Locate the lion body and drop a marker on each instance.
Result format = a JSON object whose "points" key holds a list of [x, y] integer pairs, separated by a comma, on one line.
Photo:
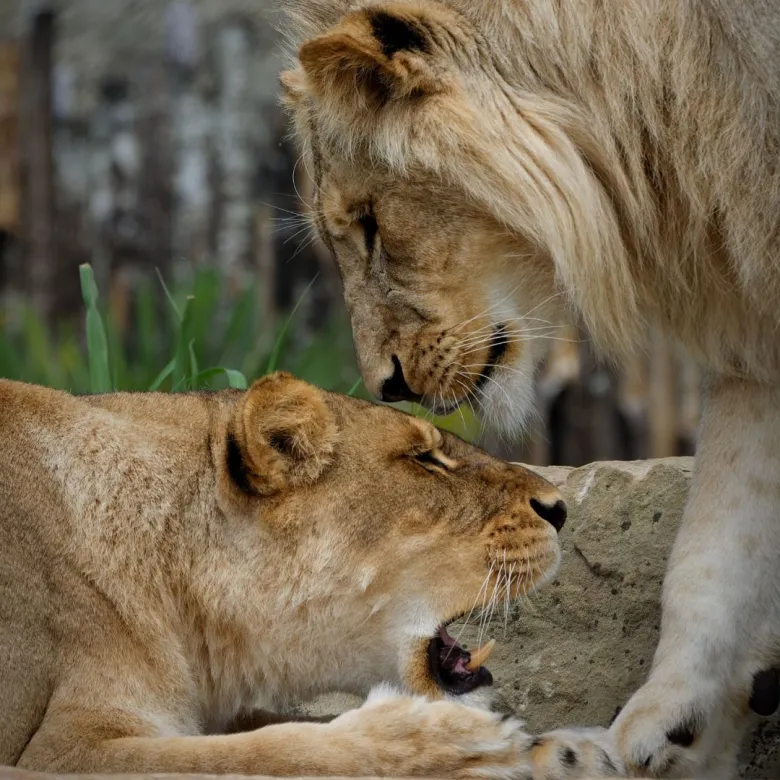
{"points": [[485, 171]]}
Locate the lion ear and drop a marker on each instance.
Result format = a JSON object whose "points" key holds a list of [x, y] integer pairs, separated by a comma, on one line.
{"points": [[371, 58], [282, 435], [293, 83]]}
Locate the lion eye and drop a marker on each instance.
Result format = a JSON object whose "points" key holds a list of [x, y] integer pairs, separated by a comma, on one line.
{"points": [[370, 229]]}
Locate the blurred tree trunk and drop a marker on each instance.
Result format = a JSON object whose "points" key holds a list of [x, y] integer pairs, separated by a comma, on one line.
{"points": [[9, 137], [235, 146], [38, 173], [192, 127], [10, 194]]}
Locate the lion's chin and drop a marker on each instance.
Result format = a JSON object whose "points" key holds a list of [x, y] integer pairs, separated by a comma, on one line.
{"points": [[506, 403]]}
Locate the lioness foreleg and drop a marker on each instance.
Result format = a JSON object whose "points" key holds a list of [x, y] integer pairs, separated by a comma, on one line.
{"points": [[391, 735]]}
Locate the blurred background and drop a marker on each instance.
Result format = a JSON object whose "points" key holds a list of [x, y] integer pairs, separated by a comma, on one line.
{"points": [[144, 138]]}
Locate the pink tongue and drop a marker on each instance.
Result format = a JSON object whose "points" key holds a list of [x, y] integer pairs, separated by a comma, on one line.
{"points": [[446, 638], [461, 657]]}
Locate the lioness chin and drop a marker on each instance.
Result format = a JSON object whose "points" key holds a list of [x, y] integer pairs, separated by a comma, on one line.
{"points": [[486, 170], [172, 565]]}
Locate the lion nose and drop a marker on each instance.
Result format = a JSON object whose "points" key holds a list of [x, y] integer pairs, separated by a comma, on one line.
{"points": [[395, 388], [553, 512]]}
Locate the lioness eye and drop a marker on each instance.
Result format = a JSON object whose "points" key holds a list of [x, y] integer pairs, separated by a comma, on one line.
{"points": [[435, 460], [370, 229]]}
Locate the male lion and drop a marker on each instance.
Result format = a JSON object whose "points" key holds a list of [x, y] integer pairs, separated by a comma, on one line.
{"points": [[171, 563], [483, 170]]}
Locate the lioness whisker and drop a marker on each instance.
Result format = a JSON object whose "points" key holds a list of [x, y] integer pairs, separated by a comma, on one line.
{"points": [[523, 340], [467, 396], [304, 244], [508, 599], [482, 588], [489, 608]]}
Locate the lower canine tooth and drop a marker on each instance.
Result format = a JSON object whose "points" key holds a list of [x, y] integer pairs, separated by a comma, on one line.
{"points": [[479, 656]]}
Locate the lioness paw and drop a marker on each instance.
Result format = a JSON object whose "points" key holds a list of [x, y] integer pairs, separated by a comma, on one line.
{"points": [[400, 735], [575, 754]]}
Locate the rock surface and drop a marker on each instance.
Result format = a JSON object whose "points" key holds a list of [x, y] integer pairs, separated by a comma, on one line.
{"points": [[579, 648]]}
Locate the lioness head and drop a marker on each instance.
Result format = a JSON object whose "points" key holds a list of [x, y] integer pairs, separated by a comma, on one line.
{"points": [[382, 530], [458, 191]]}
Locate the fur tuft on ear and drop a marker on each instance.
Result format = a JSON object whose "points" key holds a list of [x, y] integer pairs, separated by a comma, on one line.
{"points": [[282, 435], [293, 87], [372, 57]]}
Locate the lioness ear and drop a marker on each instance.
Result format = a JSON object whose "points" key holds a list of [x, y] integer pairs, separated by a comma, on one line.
{"points": [[373, 56], [282, 435]]}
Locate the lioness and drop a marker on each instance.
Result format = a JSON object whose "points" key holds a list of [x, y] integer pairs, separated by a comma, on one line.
{"points": [[171, 563], [484, 170]]}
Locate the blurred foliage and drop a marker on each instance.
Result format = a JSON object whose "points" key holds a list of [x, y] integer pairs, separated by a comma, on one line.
{"points": [[200, 338]]}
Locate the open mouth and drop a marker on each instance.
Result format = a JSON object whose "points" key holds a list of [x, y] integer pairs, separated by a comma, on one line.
{"points": [[455, 669]]}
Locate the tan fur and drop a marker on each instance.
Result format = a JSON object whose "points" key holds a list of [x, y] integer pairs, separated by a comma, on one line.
{"points": [[628, 151], [486, 171], [170, 563]]}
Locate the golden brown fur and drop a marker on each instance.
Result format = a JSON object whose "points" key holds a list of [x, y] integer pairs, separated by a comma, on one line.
{"points": [[486, 170], [171, 563], [629, 149]]}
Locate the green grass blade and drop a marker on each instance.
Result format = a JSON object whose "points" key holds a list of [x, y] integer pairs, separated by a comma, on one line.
{"points": [[235, 379], [168, 295], [97, 343], [353, 389], [193, 364], [148, 332], [240, 324], [39, 363], [207, 289], [182, 365], [163, 375], [276, 351]]}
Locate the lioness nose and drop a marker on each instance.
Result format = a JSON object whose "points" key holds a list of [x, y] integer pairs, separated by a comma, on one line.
{"points": [[554, 513], [395, 388]]}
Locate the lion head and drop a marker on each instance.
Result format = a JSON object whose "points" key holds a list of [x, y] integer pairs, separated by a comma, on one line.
{"points": [[382, 530], [462, 190]]}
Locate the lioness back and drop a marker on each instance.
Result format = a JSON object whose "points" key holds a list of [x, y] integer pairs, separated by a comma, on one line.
{"points": [[46, 603]]}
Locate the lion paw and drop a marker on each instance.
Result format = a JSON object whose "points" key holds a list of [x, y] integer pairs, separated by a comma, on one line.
{"points": [[667, 732], [571, 754], [399, 735]]}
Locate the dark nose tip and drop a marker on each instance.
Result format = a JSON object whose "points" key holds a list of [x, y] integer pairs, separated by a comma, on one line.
{"points": [[395, 388], [554, 514]]}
